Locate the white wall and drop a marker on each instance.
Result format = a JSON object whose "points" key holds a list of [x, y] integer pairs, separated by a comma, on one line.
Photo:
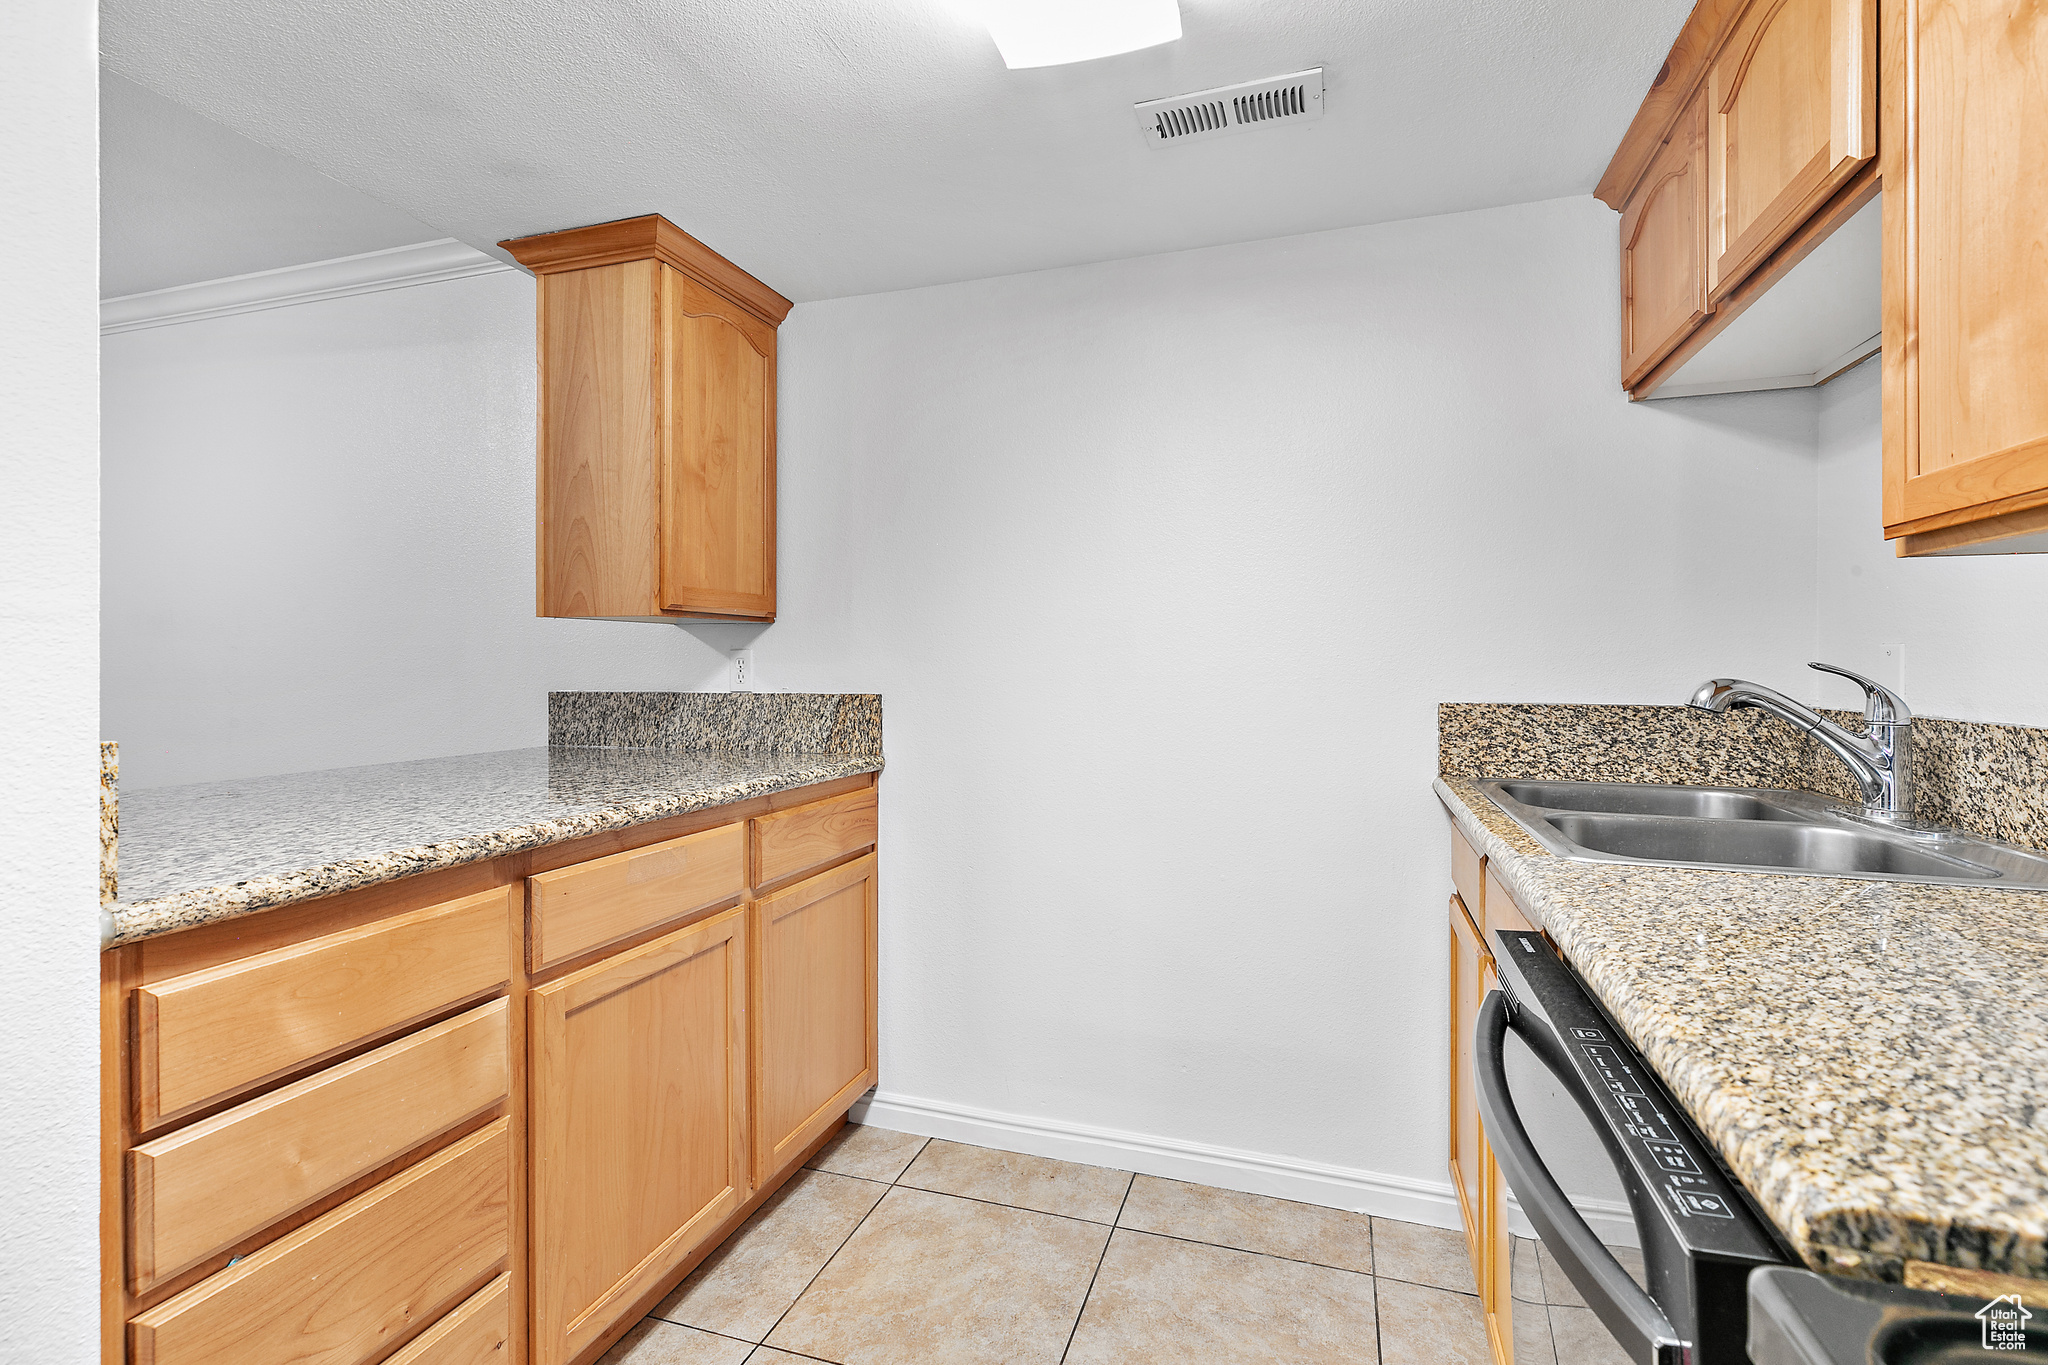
{"points": [[49, 638], [319, 541], [1974, 649], [1162, 567]]}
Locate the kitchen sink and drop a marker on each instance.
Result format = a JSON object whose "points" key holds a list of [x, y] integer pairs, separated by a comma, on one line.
{"points": [[1747, 829], [1756, 843], [1627, 798]]}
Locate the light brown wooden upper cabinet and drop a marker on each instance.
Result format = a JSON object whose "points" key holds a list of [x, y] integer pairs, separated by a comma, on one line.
{"points": [[1752, 150], [657, 425], [1791, 117], [1663, 248], [1966, 276]]}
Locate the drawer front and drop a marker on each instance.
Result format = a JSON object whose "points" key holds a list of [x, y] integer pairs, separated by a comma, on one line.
{"points": [[216, 1182], [579, 908], [343, 1288], [478, 1333], [1468, 871], [1501, 910], [205, 1035], [793, 841]]}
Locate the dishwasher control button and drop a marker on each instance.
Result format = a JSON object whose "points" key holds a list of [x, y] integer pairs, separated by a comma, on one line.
{"points": [[1672, 1157], [1707, 1205]]}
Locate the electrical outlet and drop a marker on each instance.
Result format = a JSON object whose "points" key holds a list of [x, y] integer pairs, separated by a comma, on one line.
{"points": [[742, 670]]}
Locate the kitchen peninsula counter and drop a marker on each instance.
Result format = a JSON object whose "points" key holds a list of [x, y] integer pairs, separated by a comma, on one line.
{"points": [[192, 855]]}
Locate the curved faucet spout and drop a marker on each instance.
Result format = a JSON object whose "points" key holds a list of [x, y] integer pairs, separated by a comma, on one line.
{"points": [[1877, 761]]}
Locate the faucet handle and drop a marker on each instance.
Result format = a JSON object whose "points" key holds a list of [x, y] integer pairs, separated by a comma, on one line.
{"points": [[1881, 705]]}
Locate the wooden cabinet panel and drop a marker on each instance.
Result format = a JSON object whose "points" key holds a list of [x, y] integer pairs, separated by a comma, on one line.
{"points": [[1468, 1147], [600, 476], [1663, 249], [575, 909], [793, 841], [352, 1282], [638, 1137], [814, 1024], [1966, 270], [204, 1035], [1791, 117], [1468, 871], [477, 1333], [1501, 911], [1497, 1246], [718, 521], [213, 1183]]}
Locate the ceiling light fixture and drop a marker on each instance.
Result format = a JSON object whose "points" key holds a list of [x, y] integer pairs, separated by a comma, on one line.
{"points": [[1055, 32]]}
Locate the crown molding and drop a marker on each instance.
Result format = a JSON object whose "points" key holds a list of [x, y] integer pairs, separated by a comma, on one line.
{"points": [[394, 268]]}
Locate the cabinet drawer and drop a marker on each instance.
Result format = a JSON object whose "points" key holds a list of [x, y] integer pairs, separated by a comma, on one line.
{"points": [[474, 1334], [793, 841], [343, 1288], [579, 908], [208, 1186], [207, 1034], [1468, 871], [1501, 910]]}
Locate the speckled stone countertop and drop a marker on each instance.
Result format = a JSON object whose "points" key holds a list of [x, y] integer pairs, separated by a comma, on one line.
{"points": [[1870, 1058], [211, 851]]}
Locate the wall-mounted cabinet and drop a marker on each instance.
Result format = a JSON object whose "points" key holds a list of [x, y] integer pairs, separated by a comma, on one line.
{"points": [[1804, 120], [656, 426], [1966, 276], [1663, 249], [1791, 117]]}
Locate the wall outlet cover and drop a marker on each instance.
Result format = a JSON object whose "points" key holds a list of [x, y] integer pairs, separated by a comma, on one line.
{"points": [[742, 670]]}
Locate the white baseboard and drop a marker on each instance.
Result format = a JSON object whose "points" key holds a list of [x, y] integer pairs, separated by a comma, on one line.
{"points": [[1429, 1202]]}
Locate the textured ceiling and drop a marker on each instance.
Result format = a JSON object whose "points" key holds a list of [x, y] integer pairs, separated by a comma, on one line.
{"points": [[183, 199], [838, 147]]}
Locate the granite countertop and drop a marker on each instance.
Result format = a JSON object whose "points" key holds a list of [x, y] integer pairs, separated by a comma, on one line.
{"points": [[1870, 1058], [211, 851]]}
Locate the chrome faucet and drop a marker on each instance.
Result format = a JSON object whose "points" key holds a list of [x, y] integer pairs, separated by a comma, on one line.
{"points": [[1880, 759]]}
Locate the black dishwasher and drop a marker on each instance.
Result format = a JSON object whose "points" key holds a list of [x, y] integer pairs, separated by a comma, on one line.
{"points": [[1700, 1235]]}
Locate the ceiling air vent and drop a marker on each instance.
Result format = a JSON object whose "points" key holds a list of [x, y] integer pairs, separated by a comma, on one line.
{"points": [[1295, 98]]}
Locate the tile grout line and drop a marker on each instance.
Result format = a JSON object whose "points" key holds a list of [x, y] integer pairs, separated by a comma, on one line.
{"points": [[1273, 1256], [836, 1250], [1379, 1349], [1096, 1274]]}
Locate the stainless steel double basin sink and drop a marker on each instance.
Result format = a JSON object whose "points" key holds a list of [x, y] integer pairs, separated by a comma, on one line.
{"points": [[1744, 829]]}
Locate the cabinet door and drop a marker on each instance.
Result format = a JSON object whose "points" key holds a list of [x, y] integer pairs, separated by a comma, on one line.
{"points": [[1496, 1294], [1966, 269], [638, 1132], [1663, 250], [814, 1011], [1792, 115], [1468, 1165], [718, 479]]}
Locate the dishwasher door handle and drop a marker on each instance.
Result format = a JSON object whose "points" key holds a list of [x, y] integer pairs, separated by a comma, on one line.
{"points": [[1631, 1314]]}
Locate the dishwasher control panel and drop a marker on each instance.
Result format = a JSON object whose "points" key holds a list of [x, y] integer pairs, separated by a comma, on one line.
{"points": [[1666, 1151]]}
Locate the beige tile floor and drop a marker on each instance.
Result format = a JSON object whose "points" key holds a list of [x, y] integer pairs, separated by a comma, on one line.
{"points": [[890, 1248]]}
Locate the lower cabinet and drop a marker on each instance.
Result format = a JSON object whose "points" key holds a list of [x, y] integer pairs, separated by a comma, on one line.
{"points": [[638, 1142], [487, 1116], [814, 1028], [1481, 1189]]}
